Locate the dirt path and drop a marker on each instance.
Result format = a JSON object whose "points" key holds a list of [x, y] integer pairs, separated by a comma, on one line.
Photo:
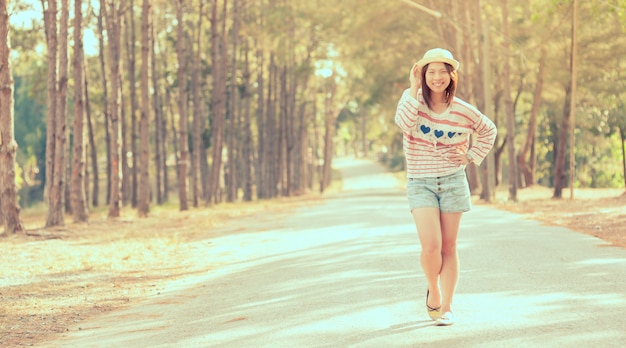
{"points": [[346, 273]]}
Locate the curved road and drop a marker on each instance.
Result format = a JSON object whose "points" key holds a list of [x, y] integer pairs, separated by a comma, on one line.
{"points": [[345, 273]]}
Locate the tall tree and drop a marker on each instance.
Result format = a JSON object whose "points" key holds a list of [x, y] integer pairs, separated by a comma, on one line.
{"points": [[54, 198], [198, 124], [218, 102], [572, 110], [131, 58], [271, 129], [95, 196], [261, 163], [56, 211], [261, 158], [248, 144], [143, 199], [79, 204], [182, 107], [159, 127], [10, 214], [233, 116], [489, 165], [528, 169], [560, 181], [508, 103], [113, 24], [105, 96], [330, 119], [125, 161]]}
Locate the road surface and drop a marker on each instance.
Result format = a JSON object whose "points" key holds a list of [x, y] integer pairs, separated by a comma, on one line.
{"points": [[345, 273]]}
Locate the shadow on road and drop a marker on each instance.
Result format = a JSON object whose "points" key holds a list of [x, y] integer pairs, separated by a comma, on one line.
{"points": [[345, 273]]}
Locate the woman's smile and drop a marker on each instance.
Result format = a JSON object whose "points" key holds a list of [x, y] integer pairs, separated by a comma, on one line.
{"points": [[437, 77]]}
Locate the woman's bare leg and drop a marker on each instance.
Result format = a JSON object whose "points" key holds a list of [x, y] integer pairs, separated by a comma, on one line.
{"points": [[449, 274], [428, 225]]}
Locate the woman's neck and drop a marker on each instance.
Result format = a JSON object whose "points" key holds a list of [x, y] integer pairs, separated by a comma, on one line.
{"points": [[438, 98], [438, 103]]}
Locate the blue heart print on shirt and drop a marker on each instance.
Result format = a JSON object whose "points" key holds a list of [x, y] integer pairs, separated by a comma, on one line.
{"points": [[438, 133]]}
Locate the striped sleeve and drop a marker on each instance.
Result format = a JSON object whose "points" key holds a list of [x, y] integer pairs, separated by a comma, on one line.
{"points": [[406, 113], [486, 132]]}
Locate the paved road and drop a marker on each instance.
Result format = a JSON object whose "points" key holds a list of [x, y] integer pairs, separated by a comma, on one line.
{"points": [[346, 273]]}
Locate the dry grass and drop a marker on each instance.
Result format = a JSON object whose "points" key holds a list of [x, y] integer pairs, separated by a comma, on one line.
{"points": [[597, 212], [54, 278]]}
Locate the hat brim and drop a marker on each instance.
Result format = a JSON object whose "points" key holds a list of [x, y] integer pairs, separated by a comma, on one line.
{"points": [[455, 64]]}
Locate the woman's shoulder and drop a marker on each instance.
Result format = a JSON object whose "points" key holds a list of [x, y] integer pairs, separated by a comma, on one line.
{"points": [[406, 94], [462, 106]]}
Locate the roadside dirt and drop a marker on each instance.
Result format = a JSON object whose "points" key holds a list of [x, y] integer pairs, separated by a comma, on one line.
{"points": [[597, 212], [54, 278]]}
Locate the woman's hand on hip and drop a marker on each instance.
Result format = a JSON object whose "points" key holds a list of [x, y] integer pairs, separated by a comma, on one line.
{"points": [[460, 159]]}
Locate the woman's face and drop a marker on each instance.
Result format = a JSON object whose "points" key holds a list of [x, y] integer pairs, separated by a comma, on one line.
{"points": [[437, 77]]}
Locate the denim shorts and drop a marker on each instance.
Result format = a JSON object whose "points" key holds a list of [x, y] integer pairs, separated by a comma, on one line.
{"points": [[450, 193]]}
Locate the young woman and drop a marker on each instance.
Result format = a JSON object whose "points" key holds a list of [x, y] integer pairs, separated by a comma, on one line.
{"points": [[436, 128]]}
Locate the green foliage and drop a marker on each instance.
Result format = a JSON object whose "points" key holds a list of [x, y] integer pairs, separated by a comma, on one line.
{"points": [[30, 131]]}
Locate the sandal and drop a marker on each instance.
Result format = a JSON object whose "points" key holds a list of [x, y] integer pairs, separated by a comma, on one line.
{"points": [[446, 319], [433, 313]]}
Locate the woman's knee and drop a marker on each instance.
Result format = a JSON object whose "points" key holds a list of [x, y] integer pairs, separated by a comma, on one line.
{"points": [[448, 248], [431, 248]]}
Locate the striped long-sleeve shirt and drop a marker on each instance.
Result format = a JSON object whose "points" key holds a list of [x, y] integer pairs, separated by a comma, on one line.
{"points": [[428, 138]]}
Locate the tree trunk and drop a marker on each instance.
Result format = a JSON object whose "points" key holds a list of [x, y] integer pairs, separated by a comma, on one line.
{"points": [[160, 161], [182, 108], [472, 41], [105, 96], [528, 171], [248, 145], [113, 25], [260, 125], [622, 134], [573, 74], [79, 203], [329, 134], [316, 172], [508, 102], [489, 164], [291, 117], [218, 107], [302, 157], [92, 146], [126, 169], [301, 151], [561, 148], [50, 22], [143, 197], [9, 204], [168, 97], [55, 207], [131, 58], [56, 213], [231, 173], [198, 129], [271, 141], [283, 133]]}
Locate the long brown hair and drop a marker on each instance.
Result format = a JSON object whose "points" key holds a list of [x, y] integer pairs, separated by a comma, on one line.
{"points": [[450, 90]]}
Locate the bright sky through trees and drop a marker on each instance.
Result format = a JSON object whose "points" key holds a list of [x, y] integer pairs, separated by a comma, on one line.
{"points": [[24, 17]]}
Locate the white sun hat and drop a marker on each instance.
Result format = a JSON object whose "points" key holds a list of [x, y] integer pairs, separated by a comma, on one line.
{"points": [[438, 55]]}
